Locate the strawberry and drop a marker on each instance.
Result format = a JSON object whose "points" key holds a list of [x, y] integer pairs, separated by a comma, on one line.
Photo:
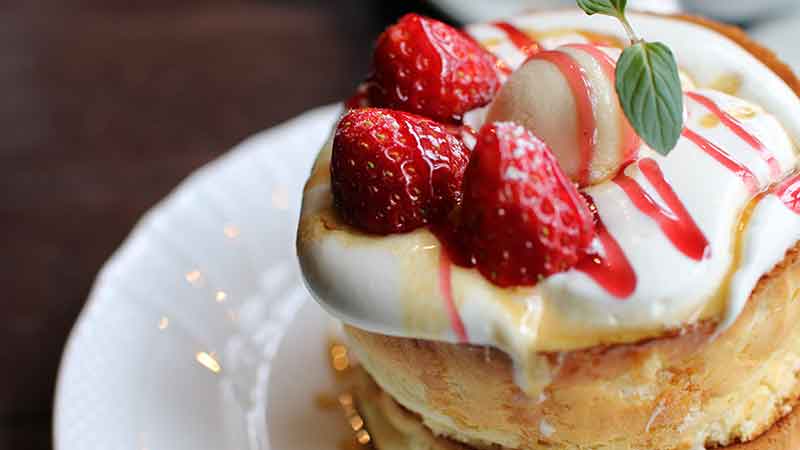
{"points": [[392, 172], [360, 99], [523, 219], [426, 67]]}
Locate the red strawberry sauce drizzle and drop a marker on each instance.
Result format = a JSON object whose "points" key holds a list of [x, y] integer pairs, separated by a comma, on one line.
{"points": [[582, 92], [519, 38], [736, 127], [446, 287], [676, 223], [629, 141], [725, 159], [612, 270], [789, 192]]}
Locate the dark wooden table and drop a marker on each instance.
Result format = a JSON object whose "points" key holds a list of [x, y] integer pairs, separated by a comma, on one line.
{"points": [[105, 106]]}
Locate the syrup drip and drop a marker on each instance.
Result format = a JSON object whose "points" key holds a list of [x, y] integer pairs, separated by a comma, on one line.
{"points": [[522, 41], [629, 140], [725, 159], [789, 193], [582, 92], [737, 252], [676, 223], [612, 270], [737, 128], [446, 286]]}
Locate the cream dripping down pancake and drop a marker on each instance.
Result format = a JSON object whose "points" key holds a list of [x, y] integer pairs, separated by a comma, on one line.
{"points": [[681, 239]]}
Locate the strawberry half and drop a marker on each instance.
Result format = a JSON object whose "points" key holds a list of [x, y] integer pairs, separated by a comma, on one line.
{"points": [[392, 172], [523, 219], [360, 99], [426, 67]]}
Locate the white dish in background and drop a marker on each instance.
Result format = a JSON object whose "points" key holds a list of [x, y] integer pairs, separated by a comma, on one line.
{"points": [[175, 347], [781, 36], [486, 10]]}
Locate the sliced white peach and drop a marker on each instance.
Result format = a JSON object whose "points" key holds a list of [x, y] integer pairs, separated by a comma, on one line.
{"points": [[568, 98]]}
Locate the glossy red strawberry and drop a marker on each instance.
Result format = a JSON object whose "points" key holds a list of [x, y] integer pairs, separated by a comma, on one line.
{"points": [[392, 172], [360, 99], [429, 68], [523, 219]]}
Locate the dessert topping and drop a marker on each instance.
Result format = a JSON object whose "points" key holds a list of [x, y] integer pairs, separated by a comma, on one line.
{"points": [[629, 140], [392, 172], [522, 217], [581, 89], [446, 287], [736, 127], [610, 267], [519, 38], [566, 96], [789, 193], [676, 222], [360, 99], [429, 68], [725, 159], [647, 82]]}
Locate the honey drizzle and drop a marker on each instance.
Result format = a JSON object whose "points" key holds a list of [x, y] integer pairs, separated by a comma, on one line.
{"points": [[720, 299]]}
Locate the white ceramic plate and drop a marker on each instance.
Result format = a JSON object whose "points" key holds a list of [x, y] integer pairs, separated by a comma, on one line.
{"points": [[179, 345]]}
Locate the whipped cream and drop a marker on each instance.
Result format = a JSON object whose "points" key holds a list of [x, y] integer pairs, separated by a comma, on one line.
{"points": [[401, 285], [771, 230]]}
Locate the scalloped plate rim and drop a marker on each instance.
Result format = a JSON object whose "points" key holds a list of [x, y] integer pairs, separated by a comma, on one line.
{"points": [[71, 345]]}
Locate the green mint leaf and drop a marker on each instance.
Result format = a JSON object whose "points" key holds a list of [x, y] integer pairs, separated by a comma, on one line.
{"points": [[649, 90], [614, 8]]}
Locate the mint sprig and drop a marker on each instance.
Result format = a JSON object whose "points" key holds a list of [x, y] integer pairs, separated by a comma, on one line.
{"points": [[615, 8], [648, 84]]}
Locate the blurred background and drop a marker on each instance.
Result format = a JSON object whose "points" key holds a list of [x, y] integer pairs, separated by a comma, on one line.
{"points": [[108, 104]]}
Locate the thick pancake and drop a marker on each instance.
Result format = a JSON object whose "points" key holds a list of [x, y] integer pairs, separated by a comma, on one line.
{"points": [[669, 393], [682, 391]]}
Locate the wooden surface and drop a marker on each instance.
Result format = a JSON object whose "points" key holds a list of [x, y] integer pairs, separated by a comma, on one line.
{"points": [[106, 105]]}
